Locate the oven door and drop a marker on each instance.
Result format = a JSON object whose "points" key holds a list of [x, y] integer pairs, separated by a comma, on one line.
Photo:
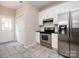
{"points": [[45, 38]]}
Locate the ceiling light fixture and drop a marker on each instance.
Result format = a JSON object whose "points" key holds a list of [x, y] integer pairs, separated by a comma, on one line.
{"points": [[21, 1]]}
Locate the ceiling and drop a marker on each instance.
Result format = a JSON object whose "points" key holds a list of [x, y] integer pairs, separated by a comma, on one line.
{"points": [[45, 4], [38, 4], [10, 4]]}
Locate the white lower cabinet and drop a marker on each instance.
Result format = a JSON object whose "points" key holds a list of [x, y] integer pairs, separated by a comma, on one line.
{"points": [[38, 37], [55, 41]]}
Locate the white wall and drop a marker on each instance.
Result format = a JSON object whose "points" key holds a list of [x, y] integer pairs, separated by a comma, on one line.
{"points": [[53, 11], [7, 11], [26, 21]]}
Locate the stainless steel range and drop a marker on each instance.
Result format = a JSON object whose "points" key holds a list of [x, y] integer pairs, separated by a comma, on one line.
{"points": [[45, 40], [45, 36]]}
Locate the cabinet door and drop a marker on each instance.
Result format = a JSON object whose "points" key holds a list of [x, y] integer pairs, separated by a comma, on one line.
{"points": [[55, 41], [38, 37]]}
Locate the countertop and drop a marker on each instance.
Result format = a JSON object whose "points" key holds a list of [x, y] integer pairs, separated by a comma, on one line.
{"points": [[46, 32], [39, 31]]}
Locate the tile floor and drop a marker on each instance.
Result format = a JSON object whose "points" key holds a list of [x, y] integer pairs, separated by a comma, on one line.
{"points": [[16, 50]]}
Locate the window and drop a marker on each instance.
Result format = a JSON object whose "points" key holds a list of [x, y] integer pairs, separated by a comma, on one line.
{"points": [[6, 23]]}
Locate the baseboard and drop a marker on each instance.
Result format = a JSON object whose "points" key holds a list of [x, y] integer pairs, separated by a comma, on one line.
{"points": [[54, 49], [37, 43], [8, 42], [29, 45]]}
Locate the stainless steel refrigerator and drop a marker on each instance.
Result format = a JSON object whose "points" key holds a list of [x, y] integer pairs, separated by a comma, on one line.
{"points": [[68, 37]]}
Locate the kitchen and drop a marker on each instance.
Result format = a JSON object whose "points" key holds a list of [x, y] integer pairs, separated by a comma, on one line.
{"points": [[41, 30], [60, 15]]}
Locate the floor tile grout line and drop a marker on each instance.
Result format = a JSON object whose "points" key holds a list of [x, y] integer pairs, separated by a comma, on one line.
{"points": [[40, 53], [10, 54]]}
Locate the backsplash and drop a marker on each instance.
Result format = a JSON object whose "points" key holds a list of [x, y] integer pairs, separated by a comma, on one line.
{"points": [[49, 24]]}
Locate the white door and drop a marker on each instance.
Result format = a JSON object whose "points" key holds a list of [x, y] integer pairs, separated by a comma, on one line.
{"points": [[6, 28]]}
